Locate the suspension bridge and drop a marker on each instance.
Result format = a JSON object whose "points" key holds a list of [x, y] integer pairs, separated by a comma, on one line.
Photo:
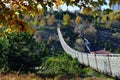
{"points": [[105, 63]]}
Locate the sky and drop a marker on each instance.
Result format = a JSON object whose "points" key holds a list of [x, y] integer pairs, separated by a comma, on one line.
{"points": [[64, 7]]}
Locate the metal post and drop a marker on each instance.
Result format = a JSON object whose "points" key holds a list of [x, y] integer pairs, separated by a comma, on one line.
{"points": [[88, 60], [109, 64], [82, 59], [96, 62]]}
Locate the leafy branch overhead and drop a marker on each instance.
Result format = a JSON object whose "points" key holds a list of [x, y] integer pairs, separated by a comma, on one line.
{"points": [[13, 11], [37, 5]]}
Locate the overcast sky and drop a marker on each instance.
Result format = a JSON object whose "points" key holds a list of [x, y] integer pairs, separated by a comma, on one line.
{"points": [[73, 8]]}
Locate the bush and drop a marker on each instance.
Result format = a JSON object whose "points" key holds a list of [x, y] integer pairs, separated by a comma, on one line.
{"points": [[116, 35], [23, 52], [62, 64], [4, 44]]}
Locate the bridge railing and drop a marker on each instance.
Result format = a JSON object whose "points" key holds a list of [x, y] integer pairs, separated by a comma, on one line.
{"points": [[106, 63]]}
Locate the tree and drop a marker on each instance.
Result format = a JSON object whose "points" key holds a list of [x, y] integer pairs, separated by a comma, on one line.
{"points": [[42, 22], [51, 20], [107, 11], [77, 20], [14, 13], [66, 19]]}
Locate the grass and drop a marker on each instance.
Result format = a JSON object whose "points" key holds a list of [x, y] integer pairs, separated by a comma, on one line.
{"points": [[19, 77], [32, 76]]}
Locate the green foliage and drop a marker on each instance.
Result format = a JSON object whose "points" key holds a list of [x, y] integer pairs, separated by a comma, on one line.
{"points": [[62, 64], [107, 11], [90, 72], [4, 45], [22, 52], [99, 25], [116, 35]]}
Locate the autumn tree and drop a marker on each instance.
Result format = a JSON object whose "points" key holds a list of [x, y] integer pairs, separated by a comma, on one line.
{"points": [[51, 20], [42, 22], [47, 16], [77, 20], [66, 19], [11, 16]]}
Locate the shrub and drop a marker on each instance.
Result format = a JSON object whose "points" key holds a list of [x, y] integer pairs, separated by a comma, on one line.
{"points": [[4, 44], [23, 52], [116, 35], [62, 64]]}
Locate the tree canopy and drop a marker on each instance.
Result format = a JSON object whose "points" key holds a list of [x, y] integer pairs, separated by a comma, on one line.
{"points": [[12, 15]]}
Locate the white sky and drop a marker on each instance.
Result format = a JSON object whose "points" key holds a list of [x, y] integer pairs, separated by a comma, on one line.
{"points": [[64, 7]]}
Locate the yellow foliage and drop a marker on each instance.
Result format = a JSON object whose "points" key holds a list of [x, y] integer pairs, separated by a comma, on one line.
{"points": [[51, 20], [1, 25], [42, 22], [66, 19], [35, 22], [53, 17], [117, 17], [23, 8], [104, 18], [47, 16], [77, 20], [11, 30], [39, 7], [32, 14], [17, 13], [111, 16], [41, 12], [17, 28], [8, 30], [96, 12], [30, 30], [59, 2], [87, 10]]}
